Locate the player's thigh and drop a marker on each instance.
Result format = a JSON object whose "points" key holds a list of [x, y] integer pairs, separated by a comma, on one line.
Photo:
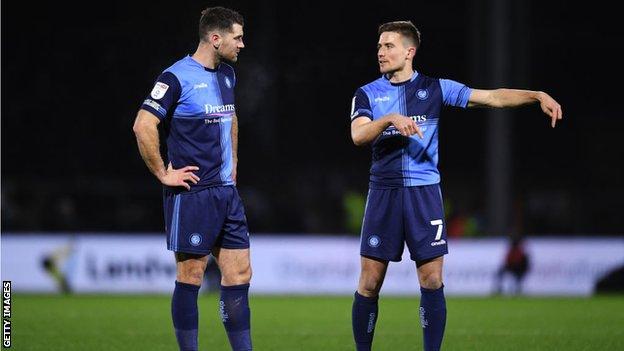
{"points": [[234, 264], [425, 227], [382, 228]]}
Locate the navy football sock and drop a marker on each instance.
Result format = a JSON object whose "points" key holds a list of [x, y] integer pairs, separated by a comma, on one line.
{"points": [[235, 315], [363, 319], [432, 317], [184, 315]]}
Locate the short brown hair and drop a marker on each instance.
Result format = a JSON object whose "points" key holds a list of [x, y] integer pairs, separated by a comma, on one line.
{"points": [[406, 28], [219, 18]]}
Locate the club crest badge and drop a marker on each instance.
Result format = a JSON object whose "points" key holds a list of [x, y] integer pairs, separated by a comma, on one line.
{"points": [[195, 239], [422, 94], [374, 241]]}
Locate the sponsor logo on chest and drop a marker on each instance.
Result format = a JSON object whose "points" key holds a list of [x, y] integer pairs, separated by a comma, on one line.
{"points": [[212, 109]]}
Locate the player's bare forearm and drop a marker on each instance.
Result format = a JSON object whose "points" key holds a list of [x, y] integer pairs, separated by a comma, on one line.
{"points": [[500, 98], [146, 132], [365, 131], [506, 98]]}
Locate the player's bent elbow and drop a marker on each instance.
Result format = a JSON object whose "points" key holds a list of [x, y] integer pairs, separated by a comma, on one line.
{"points": [[140, 131], [136, 128], [358, 140], [141, 126]]}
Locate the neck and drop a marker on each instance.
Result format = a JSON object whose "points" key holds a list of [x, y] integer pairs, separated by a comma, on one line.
{"points": [[402, 75], [206, 55]]}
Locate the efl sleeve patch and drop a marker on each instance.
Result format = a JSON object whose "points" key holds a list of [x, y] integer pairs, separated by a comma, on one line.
{"points": [[159, 90], [164, 96]]}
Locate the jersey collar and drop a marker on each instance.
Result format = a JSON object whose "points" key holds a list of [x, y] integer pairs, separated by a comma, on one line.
{"points": [[414, 75], [199, 65]]}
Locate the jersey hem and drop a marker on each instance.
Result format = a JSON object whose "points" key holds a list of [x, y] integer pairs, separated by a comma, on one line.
{"points": [[378, 186]]}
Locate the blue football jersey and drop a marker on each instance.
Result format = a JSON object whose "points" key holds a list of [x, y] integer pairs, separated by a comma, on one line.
{"points": [[196, 105], [400, 161]]}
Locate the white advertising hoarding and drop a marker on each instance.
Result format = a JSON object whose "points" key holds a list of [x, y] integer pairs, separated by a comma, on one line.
{"points": [[298, 264]]}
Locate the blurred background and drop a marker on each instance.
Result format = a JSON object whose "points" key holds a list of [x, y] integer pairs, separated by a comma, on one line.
{"points": [[74, 76]]}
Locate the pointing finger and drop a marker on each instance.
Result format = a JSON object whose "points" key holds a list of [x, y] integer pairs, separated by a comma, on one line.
{"points": [[420, 133]]}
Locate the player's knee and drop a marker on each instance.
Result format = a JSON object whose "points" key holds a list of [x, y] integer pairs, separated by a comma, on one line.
{"points": [[369, 287], [192, 275], [239, 275], [367, 292], [245, 275], [431, 280]]}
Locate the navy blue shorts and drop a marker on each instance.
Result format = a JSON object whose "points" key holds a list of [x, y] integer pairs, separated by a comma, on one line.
{"points": [[412, 215], [195, 222]]}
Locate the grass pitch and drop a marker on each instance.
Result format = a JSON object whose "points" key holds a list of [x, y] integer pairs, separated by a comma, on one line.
{"points": [[98, 322]]}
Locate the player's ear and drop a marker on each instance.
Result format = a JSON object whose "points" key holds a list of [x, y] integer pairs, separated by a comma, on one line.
{"points": [[215, 40], [411, 52]]}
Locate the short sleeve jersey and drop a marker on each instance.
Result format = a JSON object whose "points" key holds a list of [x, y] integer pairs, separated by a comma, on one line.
{"points": [[196, 105], [400, 161]]}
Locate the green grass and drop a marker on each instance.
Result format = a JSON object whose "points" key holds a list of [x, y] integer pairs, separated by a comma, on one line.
{"points": [[95, 322]]}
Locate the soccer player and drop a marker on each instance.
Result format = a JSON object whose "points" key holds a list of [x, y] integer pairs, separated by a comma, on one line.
{"points": [[398, 115], [194, 100]]}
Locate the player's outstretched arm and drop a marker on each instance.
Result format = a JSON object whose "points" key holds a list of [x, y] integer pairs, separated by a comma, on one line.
{"points": [[513, 97], [364, 131], [146, 131]]}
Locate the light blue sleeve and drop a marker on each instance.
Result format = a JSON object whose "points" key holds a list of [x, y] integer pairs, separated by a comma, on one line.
{"points": [[454, 93]]}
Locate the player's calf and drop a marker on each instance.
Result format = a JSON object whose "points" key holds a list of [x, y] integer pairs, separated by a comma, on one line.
{"points": [[432, 303]]}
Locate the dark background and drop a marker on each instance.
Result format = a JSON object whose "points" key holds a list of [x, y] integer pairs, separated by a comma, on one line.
{"points": [[74, 76]]}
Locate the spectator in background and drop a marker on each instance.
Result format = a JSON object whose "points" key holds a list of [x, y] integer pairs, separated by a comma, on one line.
{"points": [[516, 263]]}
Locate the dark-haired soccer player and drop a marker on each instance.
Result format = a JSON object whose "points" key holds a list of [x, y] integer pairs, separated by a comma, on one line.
{"points": [[194, 99], [398, 115]]}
